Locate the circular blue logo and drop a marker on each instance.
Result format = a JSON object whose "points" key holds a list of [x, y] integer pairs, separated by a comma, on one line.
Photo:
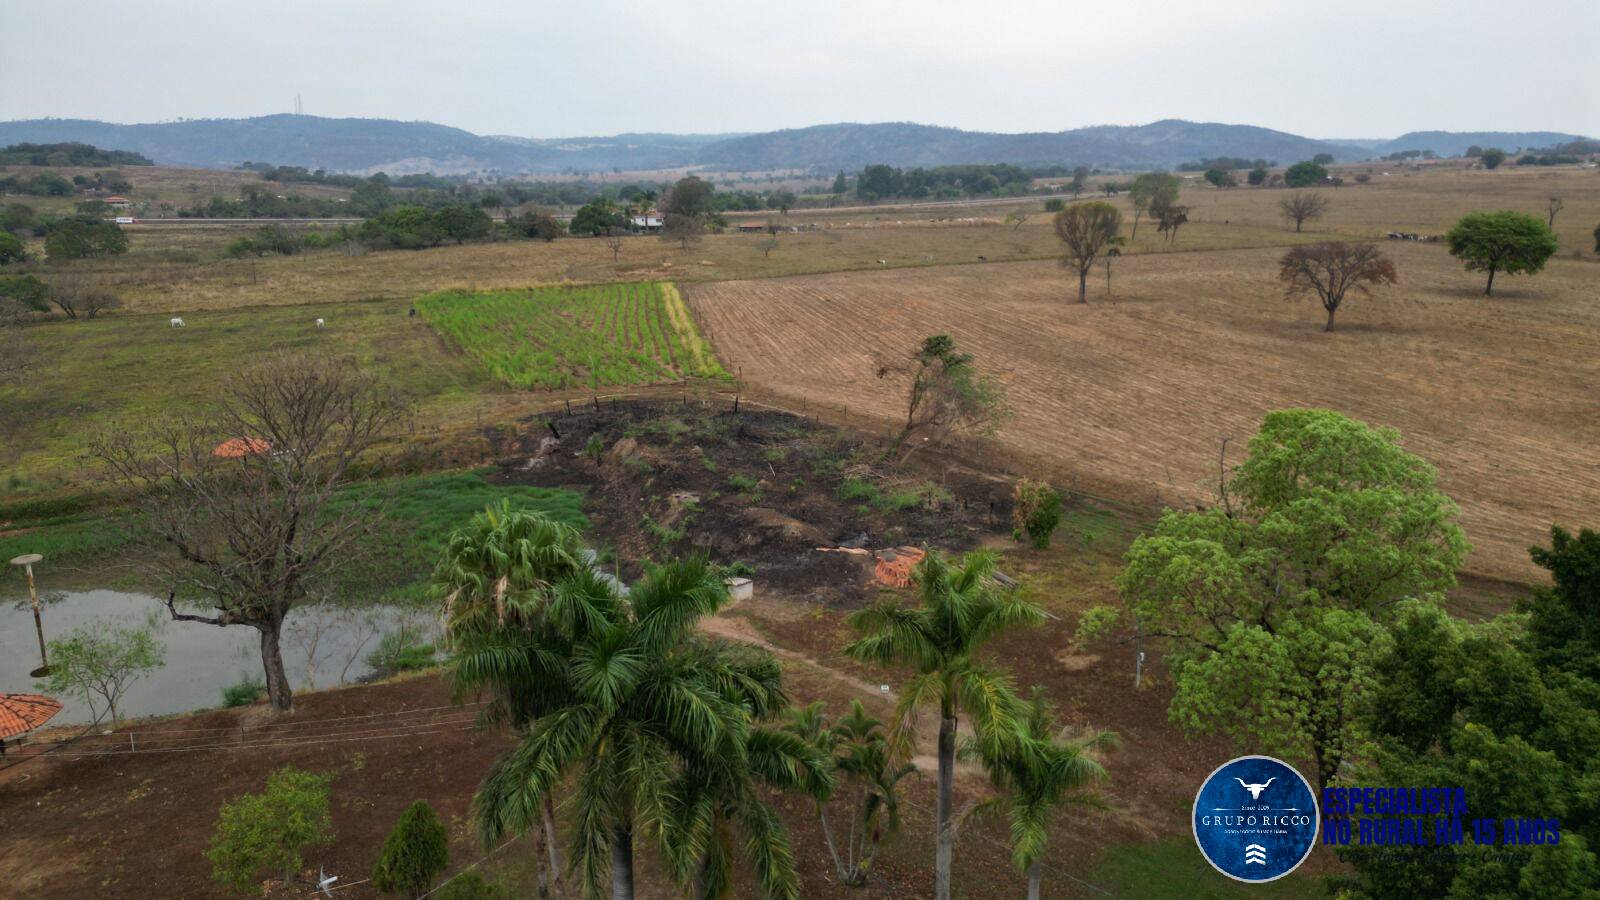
{"points": [[1255, 819]]}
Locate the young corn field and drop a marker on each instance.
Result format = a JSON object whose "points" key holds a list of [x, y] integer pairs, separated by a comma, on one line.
{"points": [[566, 337]]}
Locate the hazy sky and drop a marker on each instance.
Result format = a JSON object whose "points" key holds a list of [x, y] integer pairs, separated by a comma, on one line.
{"points": [[1347, 68]]}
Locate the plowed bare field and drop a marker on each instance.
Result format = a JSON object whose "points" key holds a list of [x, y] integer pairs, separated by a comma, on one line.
{"points": [[1501, 394]]}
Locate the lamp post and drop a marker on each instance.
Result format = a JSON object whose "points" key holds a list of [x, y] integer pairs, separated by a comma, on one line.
{"points": [[26, 561]]}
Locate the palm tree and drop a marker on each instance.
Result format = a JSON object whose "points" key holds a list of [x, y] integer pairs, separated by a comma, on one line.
{"points": [[1042, 775], [962, 608], [714, 797], [496, 578], [859, 748], [633, 702]]}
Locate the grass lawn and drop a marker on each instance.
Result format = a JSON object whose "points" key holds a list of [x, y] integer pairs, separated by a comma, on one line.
{"points": [[92, 373], [92, 545], [1175, 868]]}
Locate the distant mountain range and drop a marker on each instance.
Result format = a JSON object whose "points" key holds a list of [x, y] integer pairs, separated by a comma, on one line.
{"points": [[370, 145]]}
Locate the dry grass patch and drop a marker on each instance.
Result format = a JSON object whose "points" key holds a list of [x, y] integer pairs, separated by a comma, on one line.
{"points": [[1135, 397]]}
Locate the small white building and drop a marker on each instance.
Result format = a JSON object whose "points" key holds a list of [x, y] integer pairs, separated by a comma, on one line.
{"points": [[646, 223]]}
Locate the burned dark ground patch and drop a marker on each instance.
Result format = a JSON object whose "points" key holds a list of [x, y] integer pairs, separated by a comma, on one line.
{"points": [[771, 491]]}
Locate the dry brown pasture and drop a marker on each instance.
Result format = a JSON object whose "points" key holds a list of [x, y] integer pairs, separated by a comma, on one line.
{"points": [[173, 268], [1135, 396], [177, 268]]}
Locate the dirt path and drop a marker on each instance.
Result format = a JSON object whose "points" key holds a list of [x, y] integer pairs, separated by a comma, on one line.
{"points": [[744, 631]]}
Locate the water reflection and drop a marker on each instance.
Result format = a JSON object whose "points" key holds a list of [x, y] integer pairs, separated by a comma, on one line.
{"points": [[323, 646]]}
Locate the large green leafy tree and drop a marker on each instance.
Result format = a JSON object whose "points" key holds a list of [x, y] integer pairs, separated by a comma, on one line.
{"points": [[1039, 776], [463, 223], [1504, 241], [1304, 174], [81, 238], [1469, 705], [598, 217], [1274, 600], [1151, 190], [690, 196], [961, 609], [1564, 618]]}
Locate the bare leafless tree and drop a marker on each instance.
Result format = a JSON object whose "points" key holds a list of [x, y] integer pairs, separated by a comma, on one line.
{"points": [[16, 351], [1017, 217], [246, 494], [613, 239], [1556, 205], [1087, 230], [77, 296], [1303, 206], [1330, 270]]}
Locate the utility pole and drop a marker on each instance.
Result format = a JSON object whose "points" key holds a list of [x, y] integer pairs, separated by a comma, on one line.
{"points": [[26, 561]]}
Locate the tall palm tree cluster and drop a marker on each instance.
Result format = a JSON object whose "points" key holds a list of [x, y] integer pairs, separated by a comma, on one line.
{"points": [[962, 607], [659, 737]]}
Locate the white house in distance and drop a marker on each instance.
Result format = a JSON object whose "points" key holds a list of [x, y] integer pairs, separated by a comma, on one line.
{"points": [[646, 223], [116, 202]]}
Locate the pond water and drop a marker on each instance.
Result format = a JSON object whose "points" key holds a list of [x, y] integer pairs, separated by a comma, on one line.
{"points": [[323, 646]]}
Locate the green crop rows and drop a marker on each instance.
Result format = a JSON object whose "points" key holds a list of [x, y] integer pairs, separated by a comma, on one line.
{"points": [[565, 337]]}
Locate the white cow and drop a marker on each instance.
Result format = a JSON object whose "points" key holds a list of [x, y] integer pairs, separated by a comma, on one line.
{"points": [[320, 323], [177, 322]]}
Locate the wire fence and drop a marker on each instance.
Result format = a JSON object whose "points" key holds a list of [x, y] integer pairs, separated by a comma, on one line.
{"points": [[268, 735]]}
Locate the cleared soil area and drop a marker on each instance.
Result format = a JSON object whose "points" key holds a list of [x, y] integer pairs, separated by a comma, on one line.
{"points": [[1134, 397]]}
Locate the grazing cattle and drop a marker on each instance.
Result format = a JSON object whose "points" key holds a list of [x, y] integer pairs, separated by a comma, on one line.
{"points": [[983, 259], [883, 262], [320, 323], [177, 322]]}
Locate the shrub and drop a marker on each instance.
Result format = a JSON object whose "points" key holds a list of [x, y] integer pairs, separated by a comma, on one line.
{"points": [[11, 249], [595, 449], [852, 490], [1036, 511], [97, 664], [401, 651], [26, 291], [414, 853], [1055, 204], [470, 886], [243, 693], [271, 829]]}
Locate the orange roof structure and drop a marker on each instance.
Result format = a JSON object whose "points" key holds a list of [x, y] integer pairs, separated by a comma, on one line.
{"points": [[25, 712], [237, 448]]}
